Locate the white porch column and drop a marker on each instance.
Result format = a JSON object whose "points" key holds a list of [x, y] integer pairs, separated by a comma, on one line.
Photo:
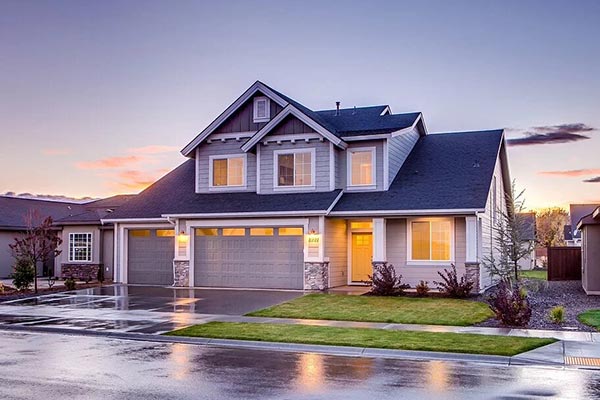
{"points": [[379, 245], [471, 240]]}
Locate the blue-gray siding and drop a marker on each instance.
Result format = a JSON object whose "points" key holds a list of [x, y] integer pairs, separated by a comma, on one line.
{"points": [[230, 146], [399, 148]]}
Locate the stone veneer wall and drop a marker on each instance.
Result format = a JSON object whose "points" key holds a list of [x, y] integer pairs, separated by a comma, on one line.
{"points": [[181, 273], [316, 275], [472, 274], [80, 272]]}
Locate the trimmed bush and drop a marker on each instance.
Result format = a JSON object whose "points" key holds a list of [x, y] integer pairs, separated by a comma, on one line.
{"points": [[385, 282], [422, 289], [557, 314], [23, 274], [452, 286], [70, 283], [510, 305]]}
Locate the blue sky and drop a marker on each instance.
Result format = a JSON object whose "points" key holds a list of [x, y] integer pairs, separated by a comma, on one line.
{"points": [[98, 97]]}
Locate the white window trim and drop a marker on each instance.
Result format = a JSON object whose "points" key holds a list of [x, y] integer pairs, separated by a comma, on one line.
{"points": [[91, 253], [442, 263], [276, 154], [267, 116], [243, 156], [349, 184]]}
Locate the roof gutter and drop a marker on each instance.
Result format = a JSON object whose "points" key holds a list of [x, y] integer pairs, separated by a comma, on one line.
{"points": [[132, 220], [249, 214], [408, 212]]}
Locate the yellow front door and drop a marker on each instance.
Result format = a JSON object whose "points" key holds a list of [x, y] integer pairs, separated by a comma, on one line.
{"points": [[362, 255]]}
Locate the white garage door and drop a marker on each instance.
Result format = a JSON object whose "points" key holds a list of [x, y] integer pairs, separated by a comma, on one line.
{"points": [[265, 257]]}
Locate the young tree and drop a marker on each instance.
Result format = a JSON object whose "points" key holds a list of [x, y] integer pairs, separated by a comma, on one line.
{"points": [[550, 223], [510, 241], [39, 244]]}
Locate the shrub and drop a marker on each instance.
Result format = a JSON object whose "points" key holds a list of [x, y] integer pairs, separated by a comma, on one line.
{"points": [[422, 289], [510, 305], [557, 314], [452, 286], [1, 288], [385, 282], [70, 283], [23, 274]]}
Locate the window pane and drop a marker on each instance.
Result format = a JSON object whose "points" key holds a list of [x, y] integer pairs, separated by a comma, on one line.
{"points": [[291, 231], [361, 225], [220, 172], [362, 167], [440, 240], [235, 171], [234, 231], [165, 233], [206, 232], [261, 108], [420, 240], [303, 169], [261, 231], [140, 233], [286, 169]]}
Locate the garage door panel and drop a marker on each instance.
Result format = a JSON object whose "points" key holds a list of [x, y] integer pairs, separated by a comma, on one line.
{"points": [[150, 259], [249, 261]]}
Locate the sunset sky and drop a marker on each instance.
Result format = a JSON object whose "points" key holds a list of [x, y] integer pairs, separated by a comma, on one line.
{"points": [[97, 98]]}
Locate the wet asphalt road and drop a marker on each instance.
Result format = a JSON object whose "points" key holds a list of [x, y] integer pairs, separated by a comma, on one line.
{"points": [[53, 366]]}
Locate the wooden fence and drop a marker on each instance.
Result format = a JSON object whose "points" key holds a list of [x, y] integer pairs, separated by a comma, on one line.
{"points": [[564, 263]]}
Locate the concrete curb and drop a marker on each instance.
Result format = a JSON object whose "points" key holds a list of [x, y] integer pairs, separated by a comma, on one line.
{"points": [[292, 347]]}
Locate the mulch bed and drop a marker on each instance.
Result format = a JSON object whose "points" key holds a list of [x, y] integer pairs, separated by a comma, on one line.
{"points": [[544, 295], [11, 293]]}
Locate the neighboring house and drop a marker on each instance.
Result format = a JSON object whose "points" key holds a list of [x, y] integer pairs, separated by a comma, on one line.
{"points": [[529, 236], [576, 213], [589, 226], [275, 195], [13, 212]]}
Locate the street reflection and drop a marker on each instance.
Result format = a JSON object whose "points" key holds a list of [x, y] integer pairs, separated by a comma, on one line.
{"points": [[180, 355], [309, 369], [437, 375]]}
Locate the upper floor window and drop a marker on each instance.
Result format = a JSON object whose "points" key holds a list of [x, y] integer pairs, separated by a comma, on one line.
{"points": [[361, 166], [294, 168], [262, 109], [80, 247], [431, 240], [227, 171]]}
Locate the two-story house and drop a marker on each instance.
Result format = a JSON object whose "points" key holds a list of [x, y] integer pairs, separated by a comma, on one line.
{"points": [[275, 195]]}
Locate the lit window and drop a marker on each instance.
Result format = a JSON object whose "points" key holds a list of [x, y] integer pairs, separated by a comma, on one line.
{"points": [[362, 171], [228, 171], [261, 231], [140, 232], [234, 232], [361, 225], [80, 247], [262, 109], [291, 231], [295, 169], [431, 240], [206, 232], [165, 233]]}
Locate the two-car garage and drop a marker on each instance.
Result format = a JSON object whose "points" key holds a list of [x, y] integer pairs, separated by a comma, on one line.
{"points": [[238, 257]]}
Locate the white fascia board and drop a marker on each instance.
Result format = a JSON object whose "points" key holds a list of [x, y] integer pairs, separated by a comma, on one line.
{"points": [[257, 86], [596, 213], [467, 211], [366, 137], [249, 214], [133, 220], [335, 201], [291, 110]]}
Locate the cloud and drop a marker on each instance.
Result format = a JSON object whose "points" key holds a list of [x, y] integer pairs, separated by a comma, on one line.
{"points": [[56, 152], [595, 179], [553, 134], [134, 180], [152, 149], [572, 172], [110, 162]]}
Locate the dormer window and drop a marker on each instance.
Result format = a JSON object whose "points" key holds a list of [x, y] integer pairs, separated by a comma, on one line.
{"points": [[361, 167], [262, 109]]}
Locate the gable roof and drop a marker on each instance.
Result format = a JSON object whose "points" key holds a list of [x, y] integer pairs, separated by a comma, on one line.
{"points": [[450, 171], [94, 211], [174, 194], [367, 120], [576, 213], [14, 209]]}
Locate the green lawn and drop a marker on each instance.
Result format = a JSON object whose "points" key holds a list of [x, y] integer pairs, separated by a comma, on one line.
{"points": [[590, 318], [404, 310], [365, 337], [535, 274]]}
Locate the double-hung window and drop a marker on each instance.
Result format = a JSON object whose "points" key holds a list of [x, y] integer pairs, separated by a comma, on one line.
{"points": [[431, 240], [361, 167], [80, 247], [294, 168], [227, 171]]}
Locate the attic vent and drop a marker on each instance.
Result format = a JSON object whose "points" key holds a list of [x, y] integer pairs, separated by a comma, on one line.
{"points": [[476, 164]]}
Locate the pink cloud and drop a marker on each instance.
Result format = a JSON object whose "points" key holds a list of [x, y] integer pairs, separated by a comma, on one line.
{"points": [[110, 162], [152, 149], [572, 172], [134, 180], [56, 152]]}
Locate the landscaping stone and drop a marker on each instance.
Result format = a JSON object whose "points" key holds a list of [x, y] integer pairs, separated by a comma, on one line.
{"points": [[181, 273], [316, 275]]}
